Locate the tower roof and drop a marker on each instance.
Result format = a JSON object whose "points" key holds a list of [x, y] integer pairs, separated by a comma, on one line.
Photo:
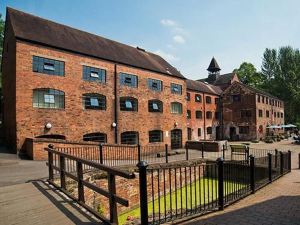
{"points": [[213, 66]]}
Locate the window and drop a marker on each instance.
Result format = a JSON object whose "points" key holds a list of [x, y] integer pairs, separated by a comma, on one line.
{"points": [[48, 66], [217, 101], [217, 115], [208, 99], [176, 89], [209, 130], [281, 115], [246, 113], [97, 137], [267, 100], [155, 105], [198, 98], [244, 129], [188, 114], [128, 80], [94, 74], [176, 108], [52, 136], [263, 99], [48, 98], [236, 98], [94, 101], [208, 115], [188, 96], [260, 113], [275, 114], [267, 113], [278, 114], [130, 138], [155, 136], [258, 98], [155, 85], [199, 132], [198, 114], [128, 104], [189, 133]]}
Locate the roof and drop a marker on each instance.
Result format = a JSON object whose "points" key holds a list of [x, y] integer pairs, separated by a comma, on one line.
{"points": [[221, 79], [257, 91], [213, 66], [34, 29], [202, 87]]}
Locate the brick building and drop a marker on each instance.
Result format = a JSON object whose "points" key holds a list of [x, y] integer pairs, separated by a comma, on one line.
{"points": [[63, 83]]}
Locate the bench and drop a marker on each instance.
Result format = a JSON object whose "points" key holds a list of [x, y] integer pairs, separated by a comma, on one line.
{"points": [[239, 150]]}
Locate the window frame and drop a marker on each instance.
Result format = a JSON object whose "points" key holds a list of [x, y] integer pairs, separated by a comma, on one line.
{"points": [[42, 92], [39, 62], [88, 136], [134, 102], [88, 70], [178, 86], [208, 115], [173, 104], [126, 76], [209, 130], [160, 133], [208, 100], [152, 81], [159, 104], [86, 97], [201, 114], [129, 133], [200, 98]]}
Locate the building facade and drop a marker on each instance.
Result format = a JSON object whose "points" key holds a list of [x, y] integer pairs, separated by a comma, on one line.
{"points": [[70, 91]]}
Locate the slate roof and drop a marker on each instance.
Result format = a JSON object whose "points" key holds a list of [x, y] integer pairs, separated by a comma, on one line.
{"points": [[31, 28], [213, 66], [199, 86], [258, 91], [221, 79]]}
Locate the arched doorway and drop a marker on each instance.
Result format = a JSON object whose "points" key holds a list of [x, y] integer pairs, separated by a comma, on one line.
{"points": [[176, 138]]}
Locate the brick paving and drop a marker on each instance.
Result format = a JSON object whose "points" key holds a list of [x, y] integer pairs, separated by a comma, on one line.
{"points": [[278, 203]]}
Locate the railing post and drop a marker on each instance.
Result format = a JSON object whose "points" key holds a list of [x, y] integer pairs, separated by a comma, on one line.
{"points": [[270, 166], [62, 172], [299, 160], [186, 151], [50, 162], [80, 183], [290, 160], [276, 158], [139, 153], [281, 162], [223, 152], [101, 153], [202, 149], [220, 163], [247, 153], [252, 174], [142, 165], [113, 214], [166, 153]]}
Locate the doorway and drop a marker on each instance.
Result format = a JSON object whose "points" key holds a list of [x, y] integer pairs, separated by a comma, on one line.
{"points": [[232, 133], [176, 138]]}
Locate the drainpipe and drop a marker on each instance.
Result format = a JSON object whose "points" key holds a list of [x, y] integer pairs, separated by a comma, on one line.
{"points": [[116, 104], [204, 117]]}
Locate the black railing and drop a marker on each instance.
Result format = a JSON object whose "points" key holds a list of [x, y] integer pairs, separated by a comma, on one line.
{"points": [[60, 175]]}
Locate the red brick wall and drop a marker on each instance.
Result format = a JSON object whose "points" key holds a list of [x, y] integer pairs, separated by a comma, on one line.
{"points": [[203, 123], [73, 121]]}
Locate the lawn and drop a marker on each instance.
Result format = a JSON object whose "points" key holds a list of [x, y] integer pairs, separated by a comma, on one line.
{"points": [[192, 195]]}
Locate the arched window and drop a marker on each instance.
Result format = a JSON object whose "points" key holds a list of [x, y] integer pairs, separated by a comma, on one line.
{"points": [[48, 98], [97, 137], [155, 105], [94, 101], [155, 136], [176, 108], [130, 138], [52, 136], [128, 104]]}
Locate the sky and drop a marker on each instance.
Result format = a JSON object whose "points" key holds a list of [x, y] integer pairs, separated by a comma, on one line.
{"points": [[187, 33]]}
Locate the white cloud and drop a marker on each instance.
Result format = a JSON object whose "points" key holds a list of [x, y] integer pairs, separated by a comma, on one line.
{"points": [[166, 56], [179, 39], [168, 23]]}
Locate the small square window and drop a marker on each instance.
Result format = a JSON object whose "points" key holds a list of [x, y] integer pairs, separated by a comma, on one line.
{"points": [[49, 99], [128, 104]]}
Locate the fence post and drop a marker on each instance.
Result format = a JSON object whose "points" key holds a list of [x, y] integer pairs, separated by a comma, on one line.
{"points": [[139, 152], [270, 166], [186, 151], [50, 162], [142, 165], [202, 149], [166, 153], [247, 153], [101, 153], [62, 172], [252, 174], [80, 183], [223, 152], [276, 158], [281, 162], [220, 163], [299, 160], [290, 160], [113, 214]]}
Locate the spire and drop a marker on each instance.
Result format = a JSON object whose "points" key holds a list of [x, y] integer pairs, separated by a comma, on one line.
{"points": [[213, 66]]}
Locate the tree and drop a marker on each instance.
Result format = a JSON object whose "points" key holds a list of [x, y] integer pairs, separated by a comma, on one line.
{"points": [[281, 72], [248, 74]]}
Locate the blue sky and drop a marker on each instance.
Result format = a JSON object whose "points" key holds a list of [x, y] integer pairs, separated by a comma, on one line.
{"points": [[186, 33]]}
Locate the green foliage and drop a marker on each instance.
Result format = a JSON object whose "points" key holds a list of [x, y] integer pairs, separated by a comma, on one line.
{"points": [[248, 74]]}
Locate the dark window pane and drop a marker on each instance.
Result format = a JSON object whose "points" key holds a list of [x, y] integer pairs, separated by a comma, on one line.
{"points": [[155, 136], [128, 104], [98, 137], [48, 98], [94, 74], [128, 80], [176, 89], [94, 101], [198, 98], [208, 99], [198, 114], [155, 85], [176, 108], [130, 138], [48, 66], [155, 105]]}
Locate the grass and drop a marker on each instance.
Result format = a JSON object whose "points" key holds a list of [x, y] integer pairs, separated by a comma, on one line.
{"points": [[192, 195]]}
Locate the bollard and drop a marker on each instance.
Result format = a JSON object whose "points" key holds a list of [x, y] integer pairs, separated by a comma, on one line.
{"points": [[142, 165]]}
